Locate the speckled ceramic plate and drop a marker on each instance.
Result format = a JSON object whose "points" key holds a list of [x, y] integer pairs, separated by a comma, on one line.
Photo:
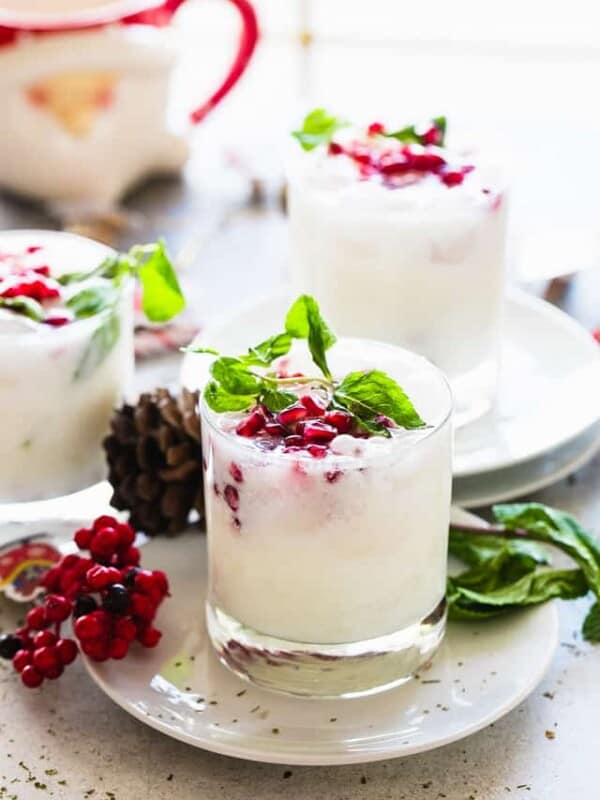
{"points": [[481, 672], [549, 364]]}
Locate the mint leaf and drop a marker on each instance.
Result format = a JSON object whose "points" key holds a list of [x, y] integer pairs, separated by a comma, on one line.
{"points": [[276, 400], [410, 134], [319, 127], [370, 394], [26, 306], [99, 346], [219, 400], [263, 354], [162, 298], [591, 624], [441, 124], [523, 556], [234, 376], [209, 350], [532, 589], [304, 321], [92, 300]]}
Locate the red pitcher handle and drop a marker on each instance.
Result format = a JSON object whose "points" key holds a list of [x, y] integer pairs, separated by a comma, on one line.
{"points": [[247, 43]]}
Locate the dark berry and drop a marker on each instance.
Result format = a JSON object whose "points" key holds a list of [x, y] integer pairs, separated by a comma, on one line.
{"points": [[10, 644], [84, 604], [116, 600], [31, 677], [129, 577]]}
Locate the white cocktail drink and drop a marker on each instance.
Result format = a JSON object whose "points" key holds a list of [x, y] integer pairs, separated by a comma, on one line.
{"points": [[404, 243], [60, 376], [327, 549]]}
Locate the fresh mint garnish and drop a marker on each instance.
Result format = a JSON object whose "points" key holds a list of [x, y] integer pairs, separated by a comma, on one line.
{"points": [[26, 306], [319, 127], [304, 321], [508, 564], [372, 394], [162, 298], [92, 300], [370, 397], [100, 345]]}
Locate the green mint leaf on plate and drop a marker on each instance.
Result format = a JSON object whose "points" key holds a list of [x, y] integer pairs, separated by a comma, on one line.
{"points": [[220, 401], [99, 346], [263, 354], [408, 135], [276, 400], [319, 127], [304, 321], [441, 124], [92, 300], [371, 394], [26, 306], [591, 624], [162, 298], [234, 377]]}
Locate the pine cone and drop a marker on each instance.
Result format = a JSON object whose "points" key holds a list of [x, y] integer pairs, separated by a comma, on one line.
{"points": [[155, 461]]}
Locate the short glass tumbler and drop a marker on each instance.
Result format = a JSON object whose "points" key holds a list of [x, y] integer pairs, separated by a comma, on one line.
{"points": [[327, 576]]}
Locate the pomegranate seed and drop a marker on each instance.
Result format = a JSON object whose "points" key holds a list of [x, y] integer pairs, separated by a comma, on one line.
{"points": [[232, 497], [361, 154], [432, 135], [452, 178], [33, 248], [341, 420], [44, 639], [21, 659], [376, 129], [57, 608], [315, 405], [426, 162], [319, 432], [236, 472], [250, 426], [149, 637], [292, 414], [36, 619], [394, 164], [31, 677], [67, 651], [83, 537], [317, 450], [385, 421], [118, 648], [596, 335], [275, 429], [293, 441], [57, 320], [335, 149], [42, 270]]}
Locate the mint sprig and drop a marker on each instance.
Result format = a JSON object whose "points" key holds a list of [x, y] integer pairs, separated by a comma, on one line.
{"points": [[319, 127], [162, 298], [508, 564], [26, 306], [411, 133], [369, 396]]}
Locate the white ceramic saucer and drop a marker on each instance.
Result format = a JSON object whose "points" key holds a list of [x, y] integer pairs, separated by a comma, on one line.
{"points": [[549, 388], [481, 672], [505, 484]]}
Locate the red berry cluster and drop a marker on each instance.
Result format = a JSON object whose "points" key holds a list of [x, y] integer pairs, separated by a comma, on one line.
{"points": [[306, 425], [112, 601], [401, 164]]}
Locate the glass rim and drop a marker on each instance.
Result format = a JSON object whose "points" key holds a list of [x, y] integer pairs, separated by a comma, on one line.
{"points": [[208, 416]]}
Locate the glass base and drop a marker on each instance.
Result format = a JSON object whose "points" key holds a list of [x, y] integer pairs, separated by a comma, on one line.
{"points": [[355, 669], [473, 393]]}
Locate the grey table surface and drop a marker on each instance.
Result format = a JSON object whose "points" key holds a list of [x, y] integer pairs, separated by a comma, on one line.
{"points": [[70, 741]]}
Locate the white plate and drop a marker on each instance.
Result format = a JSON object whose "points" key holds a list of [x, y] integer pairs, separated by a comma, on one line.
{"points": [[481, 672], [506, 484], [549, 388]]}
